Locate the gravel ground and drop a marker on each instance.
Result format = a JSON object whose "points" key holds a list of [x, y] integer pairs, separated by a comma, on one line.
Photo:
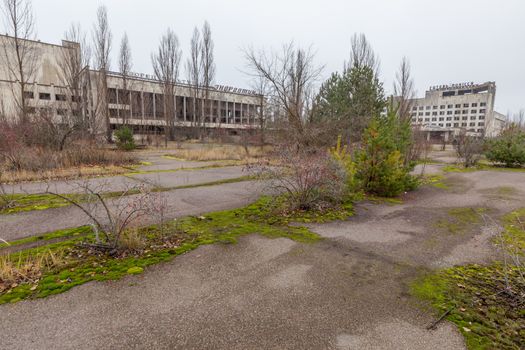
{"points": [[349, 291]]}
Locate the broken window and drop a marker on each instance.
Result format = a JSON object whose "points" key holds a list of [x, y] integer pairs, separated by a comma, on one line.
{"points": [[44, 96], [112, 95]]}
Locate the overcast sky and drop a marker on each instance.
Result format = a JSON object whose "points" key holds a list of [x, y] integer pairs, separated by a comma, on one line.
{"points": [[447, 41]]}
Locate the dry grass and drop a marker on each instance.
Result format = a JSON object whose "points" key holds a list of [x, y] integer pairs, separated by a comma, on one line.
{"points": [[61, 174], [80, 159], [132, 240], [26, 269], [212, 152]]}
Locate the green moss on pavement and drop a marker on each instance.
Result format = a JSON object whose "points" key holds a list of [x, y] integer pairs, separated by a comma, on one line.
{"points": [[70, 232], [486, 300], [459, 220], [191, 232]]}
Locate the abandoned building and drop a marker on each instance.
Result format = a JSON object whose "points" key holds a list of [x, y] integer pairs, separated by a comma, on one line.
{"points": [[447, 109], [135, 99]]}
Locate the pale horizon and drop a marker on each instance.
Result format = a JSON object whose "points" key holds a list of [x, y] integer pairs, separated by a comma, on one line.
{"points": [[447, 42]]}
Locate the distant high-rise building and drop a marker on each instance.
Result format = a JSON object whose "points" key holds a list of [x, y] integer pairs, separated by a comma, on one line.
{"points": [[447, 109]]}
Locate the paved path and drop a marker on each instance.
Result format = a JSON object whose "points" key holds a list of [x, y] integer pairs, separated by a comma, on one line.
{"points": [[177, 177], [258, 294], [350, 291], [183, 202]]}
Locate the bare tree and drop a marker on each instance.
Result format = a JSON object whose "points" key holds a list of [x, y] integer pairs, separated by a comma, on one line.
{"points": [[404, 96], [125, 64], [166, 64], [102, 38], [72, 71], [291, 75], [20, 25], [469, 148], [207, 66], [362, 54], [516, 120], [261, 87], [404, 89], [193, 71]]}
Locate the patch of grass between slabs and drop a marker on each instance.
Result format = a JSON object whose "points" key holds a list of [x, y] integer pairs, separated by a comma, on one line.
{"points": [[487, 317], [513, 236], [20, 202], [70, 232], [486, 301], [480, 167], [435, 180], [459, 220], [206, 167], [30, 202]]}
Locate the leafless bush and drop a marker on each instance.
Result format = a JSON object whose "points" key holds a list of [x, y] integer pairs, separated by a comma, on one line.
{"points": [[512, 258], [307, 177], [469, 148], [38, 146], [111, 218]]}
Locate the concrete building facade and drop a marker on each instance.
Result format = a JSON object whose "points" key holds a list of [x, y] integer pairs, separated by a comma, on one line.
{"points": [[447, 109], [136, 99]]}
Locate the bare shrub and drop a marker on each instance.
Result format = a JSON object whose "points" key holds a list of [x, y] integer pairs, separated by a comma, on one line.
{"points": [[112, 218], [308, 178], [513, 257], [469, 148]]}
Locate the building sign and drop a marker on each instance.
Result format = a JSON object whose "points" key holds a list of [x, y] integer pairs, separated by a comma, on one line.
{"points": [[142, 76], [453, 86], [221, 88], [224, 88]]}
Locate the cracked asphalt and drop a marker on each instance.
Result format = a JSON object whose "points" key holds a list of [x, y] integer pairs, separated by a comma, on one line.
{"points": [[349, 291]]}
